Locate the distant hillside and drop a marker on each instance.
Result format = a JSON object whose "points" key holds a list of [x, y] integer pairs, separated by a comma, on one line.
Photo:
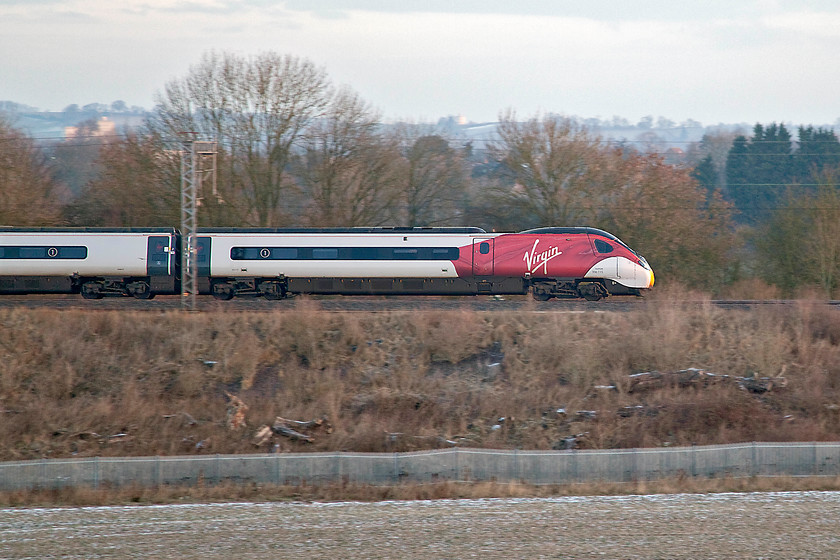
{"points": [[50, 125]]}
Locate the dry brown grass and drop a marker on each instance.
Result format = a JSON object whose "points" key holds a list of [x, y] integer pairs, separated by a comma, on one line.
{"points": [[226, 492], [77, 383]]}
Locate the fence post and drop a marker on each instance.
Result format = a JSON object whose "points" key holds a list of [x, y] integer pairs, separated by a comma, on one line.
{"points": [[815, 470], [636, 473], [515, 464], [96, 472], [725, 461], [753, 460], [396, 467], [693, 459], [338, 467]]}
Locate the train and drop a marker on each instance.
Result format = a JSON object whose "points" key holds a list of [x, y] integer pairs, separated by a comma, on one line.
{"points": [[275, 263]]}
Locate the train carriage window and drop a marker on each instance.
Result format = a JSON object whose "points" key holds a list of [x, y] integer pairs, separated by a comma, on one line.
{"points": [[262, 253], [360, 254], [201, 253], [72, 252], [53, 252], [405, 254], [284, 253], [346, 253], [33, 252], [484, 248], [603, 246], [321, 253], [445, 253]]}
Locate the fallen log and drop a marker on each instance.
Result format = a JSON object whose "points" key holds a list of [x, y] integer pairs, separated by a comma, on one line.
{"points": [[306, 425], [286, 431], [650, 380], [295, 430]]}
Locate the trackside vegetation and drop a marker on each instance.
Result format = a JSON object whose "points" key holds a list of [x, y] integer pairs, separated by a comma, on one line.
{"points": [[101, 383]]}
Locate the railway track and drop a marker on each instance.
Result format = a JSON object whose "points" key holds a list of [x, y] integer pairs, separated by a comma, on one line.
{"points": [[367, 303]]}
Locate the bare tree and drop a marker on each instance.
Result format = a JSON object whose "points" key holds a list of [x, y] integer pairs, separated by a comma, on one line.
{"points": [[137, 184], [348, 169], [434, 180], [548, 163], [74, 158], [666, 215], [257, 110], [28, 192]]}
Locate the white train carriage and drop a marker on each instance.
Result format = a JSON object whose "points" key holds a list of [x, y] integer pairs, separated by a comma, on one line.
{"points": [[383, 260], [95, 262]]}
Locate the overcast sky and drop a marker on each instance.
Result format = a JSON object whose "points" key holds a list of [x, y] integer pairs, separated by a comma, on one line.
{"points": [[709, 60]]}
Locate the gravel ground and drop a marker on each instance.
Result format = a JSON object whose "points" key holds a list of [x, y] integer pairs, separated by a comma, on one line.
{"points": [[752, 525]]}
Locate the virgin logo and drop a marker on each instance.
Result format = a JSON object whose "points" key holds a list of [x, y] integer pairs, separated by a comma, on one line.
{"points": [[534, 260]]}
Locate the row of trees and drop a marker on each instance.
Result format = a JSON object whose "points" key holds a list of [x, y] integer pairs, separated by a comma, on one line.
{"points": [[293, 150], [786, 202], [28, 191], [758, 170]]}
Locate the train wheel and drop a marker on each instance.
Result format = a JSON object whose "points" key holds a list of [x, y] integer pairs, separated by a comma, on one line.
{"points": [[541, 296], [140, 290], [223, 291], [92, 290], [592, 291], [272, 290]]}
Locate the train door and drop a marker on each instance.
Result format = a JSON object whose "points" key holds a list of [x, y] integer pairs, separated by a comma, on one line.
{"points": [[202, 256], [483, 256], [159, 255]]}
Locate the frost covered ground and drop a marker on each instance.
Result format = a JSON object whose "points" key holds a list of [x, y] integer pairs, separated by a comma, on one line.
{"points": [[753, 525]]}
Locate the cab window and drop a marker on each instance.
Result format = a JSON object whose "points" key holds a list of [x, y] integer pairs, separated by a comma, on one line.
{"points": [[603, 246]]}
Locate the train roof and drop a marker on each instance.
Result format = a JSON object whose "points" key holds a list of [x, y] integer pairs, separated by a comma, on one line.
{"points": [[382, 229], [571, 230], [13, 229]]}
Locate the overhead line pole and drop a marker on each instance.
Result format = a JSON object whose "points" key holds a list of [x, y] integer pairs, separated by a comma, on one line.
{"points": [[194, 164]]}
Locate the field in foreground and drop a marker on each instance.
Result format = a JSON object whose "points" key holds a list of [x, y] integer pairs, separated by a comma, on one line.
{"points": [[751, 525], [112, 383]]}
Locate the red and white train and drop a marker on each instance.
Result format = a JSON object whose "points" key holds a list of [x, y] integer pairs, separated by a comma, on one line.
{"points": [[563, 262]]}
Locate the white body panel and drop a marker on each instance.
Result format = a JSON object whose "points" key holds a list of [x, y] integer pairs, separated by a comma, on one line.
{"points": [[622, 270], [223, 266], [108, 254]]}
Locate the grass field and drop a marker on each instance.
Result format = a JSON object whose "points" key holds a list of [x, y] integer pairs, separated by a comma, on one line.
{"points": [[742, 525]]}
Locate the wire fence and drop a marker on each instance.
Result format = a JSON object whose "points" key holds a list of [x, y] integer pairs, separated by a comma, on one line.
{"points": [[532, 467]]}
